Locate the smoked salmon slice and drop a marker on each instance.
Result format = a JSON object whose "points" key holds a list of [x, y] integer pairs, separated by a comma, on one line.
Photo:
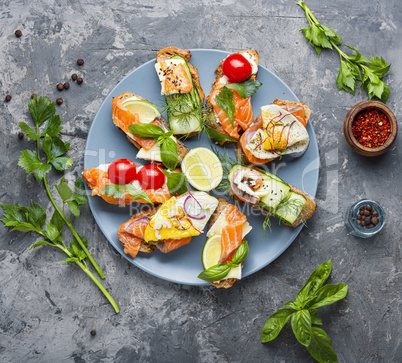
{"points": [[176, 78], [232, 234], [171, 244], [97, 179], [131, 234]]}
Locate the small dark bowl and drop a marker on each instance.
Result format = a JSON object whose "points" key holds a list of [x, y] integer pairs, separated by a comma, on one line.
{"points": [[355, 145]]}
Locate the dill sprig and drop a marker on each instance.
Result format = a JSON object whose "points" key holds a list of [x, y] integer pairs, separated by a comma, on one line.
{"points": [[182, 108]]}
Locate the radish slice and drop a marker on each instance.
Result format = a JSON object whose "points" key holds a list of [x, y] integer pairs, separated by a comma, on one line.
{"points": [[298, 154], [192, 206], [250, 135]]}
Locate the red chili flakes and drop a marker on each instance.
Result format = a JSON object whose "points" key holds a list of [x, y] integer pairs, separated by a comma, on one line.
{"points": [[371, 128]]}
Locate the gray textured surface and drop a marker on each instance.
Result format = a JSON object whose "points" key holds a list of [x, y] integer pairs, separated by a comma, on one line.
{"points": [[47, 309]]}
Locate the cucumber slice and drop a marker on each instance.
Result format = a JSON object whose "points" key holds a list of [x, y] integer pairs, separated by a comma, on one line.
{"points": [[290, 208], [276, 192]]}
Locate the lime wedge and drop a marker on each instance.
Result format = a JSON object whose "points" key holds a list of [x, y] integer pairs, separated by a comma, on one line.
{"points": [[145, 110], [212, 251], [202, 169]]}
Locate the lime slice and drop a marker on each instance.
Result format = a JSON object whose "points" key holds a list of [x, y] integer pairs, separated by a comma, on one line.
{"points": [[145, 110], [212, 251], [202, 169]]}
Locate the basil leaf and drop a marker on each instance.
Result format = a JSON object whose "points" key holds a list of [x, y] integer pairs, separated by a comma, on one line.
{"points": [[293, 305], [224, 100], [314, 282], [241, 253], [215, 273], [320, 346], [137, 194], [146, 131], [176, 182], [217, 136], [245, 89], [274, 324], [301, 326], [115, 190], [316, 320], [169, 153], [328, 294]]}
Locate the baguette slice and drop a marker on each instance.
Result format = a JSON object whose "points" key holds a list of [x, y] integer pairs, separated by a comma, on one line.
{"points": [[117, 101], [212, 121]]}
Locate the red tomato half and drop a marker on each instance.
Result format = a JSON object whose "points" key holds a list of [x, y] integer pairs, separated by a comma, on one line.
{"points": [[236, 68], [122, 171], [150, 177]]}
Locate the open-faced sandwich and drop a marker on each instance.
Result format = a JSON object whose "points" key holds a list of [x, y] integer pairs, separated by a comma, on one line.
{"points": [[168, 226], [280, 130], [129, 109], [124, 182], [271, 194], [226, 248], [229, 102], [182, 90]]}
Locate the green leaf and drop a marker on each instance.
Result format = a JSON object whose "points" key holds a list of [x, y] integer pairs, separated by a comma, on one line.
{"points": [[41, 109], [274, 324], [146, 131], [357, 58], [346, 78], [74, 209], [54, 147], [316, 320], [42, 171], [335, 38], [241, 253], [37, 215], [64, 190], [41, 243], [245, 89], [29, 133], [218, 137], [314, 282], [176, 182], [169, 153], [267, 223], [301, 326], [378, 66], [62, 163], [29, 161], [13, 214], [80, 199], [76, 250], [137, 194], [57, 221], [215, 273], [224, 100], [52, 127], [293, 305], [71, 260], [25, 227], [317, 37], [80, 185], [115, 190], [328, 294], [320, 346], [52, 232]]}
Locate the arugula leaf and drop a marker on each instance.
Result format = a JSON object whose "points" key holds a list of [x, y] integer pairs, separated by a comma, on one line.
{"points": [[328, 294], [245, 89], [218, 137], [41, 109], [52, 127], [241, 253], [74, 209], [301, 326], [169, 153], [320, 346], [64, 190], [176, 182], [137, 194], [274, 324], [224, 100], [29, 133], [215, 273], [146, 131]]}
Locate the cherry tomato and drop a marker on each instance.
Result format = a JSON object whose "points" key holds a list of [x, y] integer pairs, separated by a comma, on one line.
{"points": [[236, 68], [150, 177], [122, 171]]}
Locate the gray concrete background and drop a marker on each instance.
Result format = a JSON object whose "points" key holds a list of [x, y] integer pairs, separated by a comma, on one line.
{"points": [[47, 309]]}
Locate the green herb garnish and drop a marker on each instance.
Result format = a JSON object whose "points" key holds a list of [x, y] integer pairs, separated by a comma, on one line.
{"points": [[33, 218], [169, 151], [117, 191], [351, 67], [215, 135], [176, 182], [302, 310]]}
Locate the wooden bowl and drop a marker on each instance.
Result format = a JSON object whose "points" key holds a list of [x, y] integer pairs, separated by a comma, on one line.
{"points": [[355, 145]]}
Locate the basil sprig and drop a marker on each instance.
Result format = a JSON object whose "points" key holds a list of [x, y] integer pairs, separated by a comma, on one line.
{"points": [[302, 312], [169, 151], [117, 191], [217, 136], [176, 182], [225, 97], [219, 271]]}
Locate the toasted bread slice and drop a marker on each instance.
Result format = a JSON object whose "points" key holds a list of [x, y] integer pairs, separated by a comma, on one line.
{"points": [[182, 148]]}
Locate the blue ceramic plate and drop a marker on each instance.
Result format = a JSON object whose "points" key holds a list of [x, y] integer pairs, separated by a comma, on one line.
{"points": [[106, 143]]}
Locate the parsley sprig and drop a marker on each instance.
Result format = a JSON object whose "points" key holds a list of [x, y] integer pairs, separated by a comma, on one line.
{"points": [[351, 67], [32, 219]]}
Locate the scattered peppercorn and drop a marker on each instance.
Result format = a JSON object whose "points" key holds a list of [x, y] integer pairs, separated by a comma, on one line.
{"points": [[8, 98], [93, 332], [20, 135], [74, 76], [60, 86], [80, 62], [18, 33], [367, 217], [66, 85], [79, 80], [33, 95], [59, 101]]}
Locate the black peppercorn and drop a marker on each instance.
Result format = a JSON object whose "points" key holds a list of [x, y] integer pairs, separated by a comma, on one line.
{"points": [[80, 62], [366, 213], [33, 95], [74, 76], [8, 98], [359, 216], [367, 220], [60, 86], [20, 135], [361, 212], [79, 80], [93, 332], [375, 214], [374, 220], [18, 33], [369, 207], [66, 85], [59, 101]]}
